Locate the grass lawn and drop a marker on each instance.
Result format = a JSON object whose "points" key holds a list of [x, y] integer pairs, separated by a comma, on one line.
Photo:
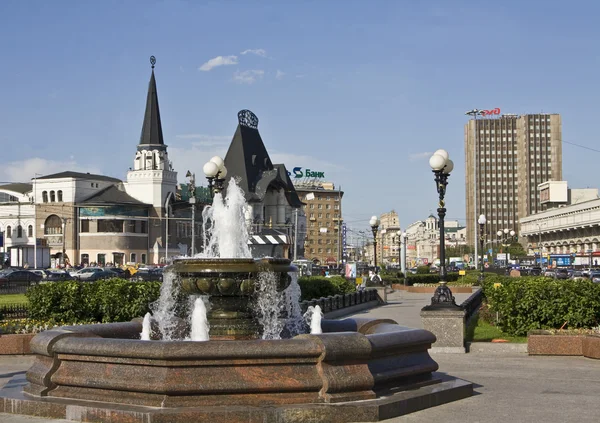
{"points": [[10, 299], [484, 332]]}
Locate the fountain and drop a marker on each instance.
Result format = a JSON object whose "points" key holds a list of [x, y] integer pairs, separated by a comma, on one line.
{"points": [[343, 371]]}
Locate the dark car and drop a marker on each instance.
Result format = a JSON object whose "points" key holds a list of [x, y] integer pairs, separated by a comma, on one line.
{"points": [[10, 275], [535, 271], [149, 274], [122, 273], [595, 276], [561, 274]]}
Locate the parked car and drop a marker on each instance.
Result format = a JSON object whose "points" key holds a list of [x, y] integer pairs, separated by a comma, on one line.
{"points": [[535, 271], [93, 274], [11, 275], [578, 275], [595, 276], [148, 274], [120, 272], [51, 275], [561, 274], [549, 273]]}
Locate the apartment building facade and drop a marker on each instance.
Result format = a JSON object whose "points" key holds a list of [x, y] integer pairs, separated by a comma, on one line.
{"points": [[323, 210], [506, 158]]}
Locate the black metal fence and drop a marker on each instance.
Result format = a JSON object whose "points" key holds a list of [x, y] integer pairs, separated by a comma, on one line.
{"points": [[340, 301], [14, 311], [14, 287], [472, 304]]}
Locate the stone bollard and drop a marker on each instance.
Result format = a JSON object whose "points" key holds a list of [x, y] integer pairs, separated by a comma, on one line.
{"points": [[448, 326]]}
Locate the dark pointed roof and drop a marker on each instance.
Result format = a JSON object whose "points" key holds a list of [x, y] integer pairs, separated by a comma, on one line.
{"points": [[247, 158], [152, 135], [112, 195], [79, 175]]}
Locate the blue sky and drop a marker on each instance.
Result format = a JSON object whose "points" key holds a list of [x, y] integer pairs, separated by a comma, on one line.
{"points": [[363, 91]]}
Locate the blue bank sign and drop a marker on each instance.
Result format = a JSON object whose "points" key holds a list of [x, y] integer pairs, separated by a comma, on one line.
{"points": [[308, 173]]}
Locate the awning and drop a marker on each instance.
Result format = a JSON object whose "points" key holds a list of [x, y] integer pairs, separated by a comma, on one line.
{"points": [[267, 239]]}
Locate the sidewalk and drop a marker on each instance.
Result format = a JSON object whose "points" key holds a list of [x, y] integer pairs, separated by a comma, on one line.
{"points": [[511, 387]]}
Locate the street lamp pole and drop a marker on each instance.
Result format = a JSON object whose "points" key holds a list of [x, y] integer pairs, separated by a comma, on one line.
{"points": [[474, 113], [192, 194], [442, 167], [374, 222], [482, 221]]}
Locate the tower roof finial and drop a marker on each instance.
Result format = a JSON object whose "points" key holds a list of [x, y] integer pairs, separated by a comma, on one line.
{"points": [[152, 61]]}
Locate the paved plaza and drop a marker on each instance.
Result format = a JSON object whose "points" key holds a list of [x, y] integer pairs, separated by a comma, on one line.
{"points": [[509, 387]]}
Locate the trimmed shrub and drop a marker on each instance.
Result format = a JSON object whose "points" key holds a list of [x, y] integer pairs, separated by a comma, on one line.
{"points": [[429, 278], [530, 303], [423, 270], [319, 286], [111, 300]]}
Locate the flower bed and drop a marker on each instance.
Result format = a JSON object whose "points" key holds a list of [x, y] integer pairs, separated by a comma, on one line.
{"points": [[584, 342]]}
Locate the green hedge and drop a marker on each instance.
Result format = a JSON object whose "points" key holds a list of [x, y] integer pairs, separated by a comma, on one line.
{"points": [[111, 300], [529, 303], [320, 286], [430, 278]]}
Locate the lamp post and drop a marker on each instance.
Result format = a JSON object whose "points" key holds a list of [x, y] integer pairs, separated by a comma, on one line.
{"points": [[192, 194], [402, 253], [504, 237], [474, 113], [215, 171], [441, 166], [482, 221], [374, 222]]}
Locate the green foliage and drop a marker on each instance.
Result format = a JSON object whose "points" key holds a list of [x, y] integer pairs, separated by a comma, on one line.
{"points": [[423, 270], [319, 286], [112, 300], [530, 303]]}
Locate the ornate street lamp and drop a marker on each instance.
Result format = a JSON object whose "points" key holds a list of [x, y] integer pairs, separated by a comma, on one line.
{"points": [[441, 166], [482, 221], [374, 222], [402, 253], [215, 172], [192, 193]]}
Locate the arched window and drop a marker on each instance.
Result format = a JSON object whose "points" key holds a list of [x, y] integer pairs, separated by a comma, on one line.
{"points": [[60, 196], [133, 258], [53, 225], [19, 231], [30, 231], [8, 232], [45, 196], [52, 197]]}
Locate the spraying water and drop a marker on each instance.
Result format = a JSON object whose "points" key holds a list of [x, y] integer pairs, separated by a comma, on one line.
{"points": [[200, 325], [145, 335], [313, 316], [291, 296], [228, 234], [164, 309], [268, 303]]}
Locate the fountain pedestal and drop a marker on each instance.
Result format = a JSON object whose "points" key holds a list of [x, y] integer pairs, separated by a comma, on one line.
{"points": [[232, 286]]}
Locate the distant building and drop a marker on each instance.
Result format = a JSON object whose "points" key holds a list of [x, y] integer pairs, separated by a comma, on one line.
{"points": [[569, 225], [423, 240], [514, 154], [323, 210], [388, 245]]}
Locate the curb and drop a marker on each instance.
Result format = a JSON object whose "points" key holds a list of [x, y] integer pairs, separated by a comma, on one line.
{"points": [[496, 348]]}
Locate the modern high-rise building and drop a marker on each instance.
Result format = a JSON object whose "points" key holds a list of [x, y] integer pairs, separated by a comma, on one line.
{"points": [[506, 158]]}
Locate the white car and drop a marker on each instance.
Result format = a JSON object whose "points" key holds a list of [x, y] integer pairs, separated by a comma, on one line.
{"points": [[93, 274]]}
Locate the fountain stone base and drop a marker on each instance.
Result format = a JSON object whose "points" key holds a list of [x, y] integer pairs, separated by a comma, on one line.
{"points": [[357, 370], [231, 285]]}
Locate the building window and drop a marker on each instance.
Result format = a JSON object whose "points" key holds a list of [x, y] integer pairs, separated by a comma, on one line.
{"points": [[143, 258], [53, 225], [101, 259], [8, 232], [144, 227], [133, 258], [45, 196], [30, 231], [85, 226], [60, 196], [113, 225], [85, 259], [52, 197]]}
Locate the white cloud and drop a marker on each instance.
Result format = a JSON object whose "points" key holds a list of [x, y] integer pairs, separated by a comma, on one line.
{"points": [[219, 61], [279, 74], [419, 156], [258, 51], [25, 170], [248, 77]]}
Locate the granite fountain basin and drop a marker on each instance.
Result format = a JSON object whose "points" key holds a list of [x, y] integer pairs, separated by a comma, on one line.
{"points": [[357, 370]]}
